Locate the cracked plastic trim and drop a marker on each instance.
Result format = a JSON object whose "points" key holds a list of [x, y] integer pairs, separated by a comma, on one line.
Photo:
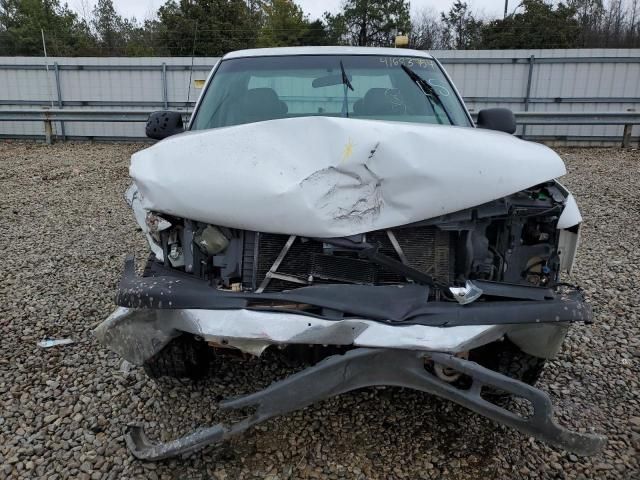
{"points": [[370, 367]]}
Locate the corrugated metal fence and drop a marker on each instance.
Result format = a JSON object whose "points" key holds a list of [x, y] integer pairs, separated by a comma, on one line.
{"points": [[97, 83], [582, 80], [585, 80]]}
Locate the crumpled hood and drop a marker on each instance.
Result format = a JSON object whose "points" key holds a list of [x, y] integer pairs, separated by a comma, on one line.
{"points": [[332, 177]]}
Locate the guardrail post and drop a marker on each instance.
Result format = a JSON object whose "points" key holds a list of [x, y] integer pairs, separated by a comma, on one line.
{"points": [[527, 94], [165, 99], [56, 69], [48, 131], [626, 135]]}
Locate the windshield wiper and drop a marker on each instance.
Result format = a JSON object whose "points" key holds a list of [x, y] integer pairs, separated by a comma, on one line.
{"points": [[428, 91], [347, 85]]}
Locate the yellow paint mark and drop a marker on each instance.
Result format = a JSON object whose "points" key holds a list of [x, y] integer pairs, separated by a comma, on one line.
{"points": [[348, 151]]}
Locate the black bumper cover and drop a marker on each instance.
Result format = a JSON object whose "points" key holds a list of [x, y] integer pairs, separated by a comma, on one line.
{"points": [[365, 367], [165, 288]]}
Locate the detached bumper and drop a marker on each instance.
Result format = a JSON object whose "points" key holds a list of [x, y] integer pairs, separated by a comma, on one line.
{"points": [[369, 367]]}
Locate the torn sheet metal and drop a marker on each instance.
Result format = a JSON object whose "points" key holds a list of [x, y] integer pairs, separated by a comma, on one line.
{"points": [[132, 196], [571, 214], [332, 177], [370, 367], [137, 334]]}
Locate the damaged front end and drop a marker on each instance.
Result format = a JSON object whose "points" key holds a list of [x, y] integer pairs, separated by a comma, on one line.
{"points": [[339, 205], [417, 255], [408, 306], [364, 367], [481, 272], [504, 253]]}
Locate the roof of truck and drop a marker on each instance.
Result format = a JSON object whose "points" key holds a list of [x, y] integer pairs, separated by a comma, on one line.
{"points": [[265, 52]]}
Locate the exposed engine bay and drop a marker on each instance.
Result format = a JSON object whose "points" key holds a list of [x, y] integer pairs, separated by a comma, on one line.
{"points": [[514, 239]]}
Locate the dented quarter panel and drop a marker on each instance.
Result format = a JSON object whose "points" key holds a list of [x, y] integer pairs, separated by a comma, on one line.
{"points": [[540, 340], [337, 176], [569, 226], [568, 242], [571, 214]]}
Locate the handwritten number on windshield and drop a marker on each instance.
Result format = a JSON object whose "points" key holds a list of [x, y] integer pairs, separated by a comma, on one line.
{"points": [[440, 89], [412, 62]]}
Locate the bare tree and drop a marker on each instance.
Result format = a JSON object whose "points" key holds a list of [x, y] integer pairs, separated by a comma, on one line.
{"points": [[426, 30], [608, 23], [461, 30], [633, 32]]}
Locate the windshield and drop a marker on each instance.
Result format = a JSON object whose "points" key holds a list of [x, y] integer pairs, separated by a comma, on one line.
{"points": [[245, 90]]}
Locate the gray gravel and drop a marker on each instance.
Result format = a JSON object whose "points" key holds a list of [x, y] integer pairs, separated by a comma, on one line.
{"points": [[65, 232]]}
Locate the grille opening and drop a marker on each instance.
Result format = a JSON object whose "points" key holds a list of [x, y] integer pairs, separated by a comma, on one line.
{"points": [[425, 248]]}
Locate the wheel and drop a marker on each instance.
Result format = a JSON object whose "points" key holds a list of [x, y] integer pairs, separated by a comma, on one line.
{"points": [[506, 358], [182, 357]]}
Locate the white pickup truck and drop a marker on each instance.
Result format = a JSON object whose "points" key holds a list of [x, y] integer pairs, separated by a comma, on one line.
{"points": [[342, 199]]}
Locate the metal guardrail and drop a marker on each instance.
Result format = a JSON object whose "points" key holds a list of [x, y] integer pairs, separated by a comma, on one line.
{"points": [[48, 116], [71, 115], [64, 91]]}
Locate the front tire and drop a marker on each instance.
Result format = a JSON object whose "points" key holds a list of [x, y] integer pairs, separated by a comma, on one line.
{"points": [[182, 357]]}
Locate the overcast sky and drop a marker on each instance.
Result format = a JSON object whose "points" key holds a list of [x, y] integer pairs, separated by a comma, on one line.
{"points": [[142, 9]]}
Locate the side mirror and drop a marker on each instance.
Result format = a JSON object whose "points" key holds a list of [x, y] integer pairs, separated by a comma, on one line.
{"points": [[501, 119], [163, 124]]}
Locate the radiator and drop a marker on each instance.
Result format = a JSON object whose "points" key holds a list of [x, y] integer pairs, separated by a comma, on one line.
{"points": [[426, 248]]}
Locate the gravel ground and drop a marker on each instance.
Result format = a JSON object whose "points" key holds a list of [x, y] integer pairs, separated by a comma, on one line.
{"points": [[65, 232]]}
